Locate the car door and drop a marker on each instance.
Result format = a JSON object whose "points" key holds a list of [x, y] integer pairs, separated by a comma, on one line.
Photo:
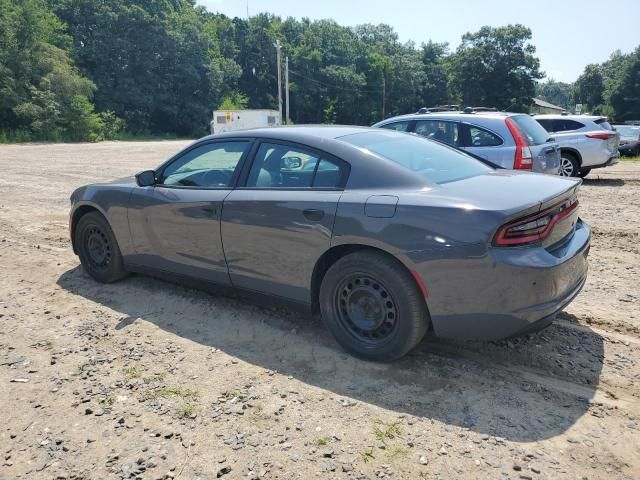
{"points": [[279, 220], [446, 132], [487, 144], [175, 224]]}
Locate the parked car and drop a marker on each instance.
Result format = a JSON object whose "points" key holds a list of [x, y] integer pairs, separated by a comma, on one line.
{"points": [[586, 142], [388, 236], [510, 140], [629, 139]]}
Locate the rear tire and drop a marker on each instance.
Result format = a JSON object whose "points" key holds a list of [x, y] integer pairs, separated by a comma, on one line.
{"points": [[373, 306], [583, 173], [569, 165], [98, 249]]}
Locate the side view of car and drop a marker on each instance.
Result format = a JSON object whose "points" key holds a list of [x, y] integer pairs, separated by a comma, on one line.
{"points": [[509, 140], [586, 142], [387, 235], [629, 139]]}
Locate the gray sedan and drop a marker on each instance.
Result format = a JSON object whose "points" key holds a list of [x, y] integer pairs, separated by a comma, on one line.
{"points": [[386, 234]]}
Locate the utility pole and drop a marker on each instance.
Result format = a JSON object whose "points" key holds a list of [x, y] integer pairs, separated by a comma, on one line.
{"points": [[286, 87], [278, 46], [384, 94]]}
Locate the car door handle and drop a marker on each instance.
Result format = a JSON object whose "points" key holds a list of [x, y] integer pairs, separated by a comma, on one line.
{"points": [[313, 214]]}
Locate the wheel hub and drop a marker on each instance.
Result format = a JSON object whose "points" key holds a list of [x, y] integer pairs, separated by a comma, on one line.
{"points": [[98, 248], [566, 167], [366, 309]]}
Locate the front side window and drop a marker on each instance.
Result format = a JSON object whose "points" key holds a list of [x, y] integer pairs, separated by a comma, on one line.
{"points": [[443, 132], [437, 163], [483, 138], [399, 126], [207, 166]]}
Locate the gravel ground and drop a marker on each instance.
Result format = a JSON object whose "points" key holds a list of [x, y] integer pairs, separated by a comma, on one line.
{"points": [[146, 379]]}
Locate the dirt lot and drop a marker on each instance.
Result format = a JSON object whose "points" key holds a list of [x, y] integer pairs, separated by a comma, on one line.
{"points": [[145, 379]]}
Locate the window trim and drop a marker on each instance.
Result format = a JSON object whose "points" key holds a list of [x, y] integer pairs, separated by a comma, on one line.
{"points": [[244, 174], [466, 136], [159, 172]]}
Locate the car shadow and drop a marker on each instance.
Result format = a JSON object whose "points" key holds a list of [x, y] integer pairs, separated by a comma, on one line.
{"points": [[603, 182], [525, 389]]}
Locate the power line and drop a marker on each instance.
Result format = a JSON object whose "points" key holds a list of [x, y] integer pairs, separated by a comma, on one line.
{"points": [[337, 87]]}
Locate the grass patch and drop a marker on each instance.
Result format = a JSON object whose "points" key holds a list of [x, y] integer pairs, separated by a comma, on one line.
{"points": [[82, 368], [321, 442], [630, 159], [157, 377], [386, 431], [131, 372], [397, 452], [177, 391], [107, 403], [185, 411], [367, 455]]}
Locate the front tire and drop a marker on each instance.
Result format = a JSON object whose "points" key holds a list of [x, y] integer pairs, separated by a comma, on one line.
{"points": [[98, 249], [373, 306], [569, 166]]}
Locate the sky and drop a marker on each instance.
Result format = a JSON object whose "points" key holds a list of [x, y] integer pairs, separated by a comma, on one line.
{"points": [[568, 34]]}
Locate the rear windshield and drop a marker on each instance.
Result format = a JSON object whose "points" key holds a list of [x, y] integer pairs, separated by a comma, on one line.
{"points": [[434, 161], [533, 132], [602, 123]]}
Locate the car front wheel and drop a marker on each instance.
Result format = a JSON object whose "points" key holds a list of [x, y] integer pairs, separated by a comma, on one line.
{"points": [[373, 306], [98, 249]]}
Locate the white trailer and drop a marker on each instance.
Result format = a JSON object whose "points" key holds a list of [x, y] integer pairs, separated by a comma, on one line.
{"points": [[232, 120]]}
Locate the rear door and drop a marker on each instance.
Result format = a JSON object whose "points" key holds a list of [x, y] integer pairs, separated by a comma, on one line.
{"points": [[487, 144], [279, 220], [175, 224]]}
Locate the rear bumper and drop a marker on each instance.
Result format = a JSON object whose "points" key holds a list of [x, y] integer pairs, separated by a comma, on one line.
{"points": [[612, 161], [506, 291]]}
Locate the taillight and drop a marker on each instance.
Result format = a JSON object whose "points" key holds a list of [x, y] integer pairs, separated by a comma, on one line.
{"points": [[601, 135], [533, 228], [523, 158]]}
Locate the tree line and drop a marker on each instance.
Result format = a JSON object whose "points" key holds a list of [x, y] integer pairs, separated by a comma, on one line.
{"points": [[611, 88], [89, 69]]}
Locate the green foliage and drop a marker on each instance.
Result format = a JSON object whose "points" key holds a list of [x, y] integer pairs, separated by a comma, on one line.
{"points": [[235, 101], [86, 70], [496, 67], [558, 93]]}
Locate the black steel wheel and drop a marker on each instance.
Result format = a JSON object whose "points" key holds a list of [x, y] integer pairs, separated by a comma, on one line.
{"points": [[373, 306], [98, 249]]}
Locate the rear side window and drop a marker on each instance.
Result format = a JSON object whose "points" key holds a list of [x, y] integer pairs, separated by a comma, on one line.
{"points": [[443, 132], [483, 138], [568, 125], [398, 126], [431, 160], [530, 129], [547, 124], [602, 123]]}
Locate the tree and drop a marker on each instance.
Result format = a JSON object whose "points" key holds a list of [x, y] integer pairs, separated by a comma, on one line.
{"points": [[496, 67], [589, 88], [625, 93], [42, 94], [558, 93]]}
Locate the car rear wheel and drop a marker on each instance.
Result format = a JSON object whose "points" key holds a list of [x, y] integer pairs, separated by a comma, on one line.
{"points": [[569, 166], [98, 249], [373, 306]]}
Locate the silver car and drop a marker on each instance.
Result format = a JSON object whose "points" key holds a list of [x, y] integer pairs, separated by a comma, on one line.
{"points": [[509, 140], [586, 142]]}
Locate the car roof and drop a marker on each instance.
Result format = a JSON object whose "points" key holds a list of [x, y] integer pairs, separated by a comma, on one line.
{"points": [[294, 133], [448, 116], [554, 116]]}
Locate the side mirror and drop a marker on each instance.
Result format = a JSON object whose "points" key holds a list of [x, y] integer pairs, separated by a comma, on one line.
{"points": [[291, 163], [146, 178]]}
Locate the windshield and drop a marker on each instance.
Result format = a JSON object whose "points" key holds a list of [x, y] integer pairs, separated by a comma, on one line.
{"points": [[628, 131], [434, 161], [533, 132]]}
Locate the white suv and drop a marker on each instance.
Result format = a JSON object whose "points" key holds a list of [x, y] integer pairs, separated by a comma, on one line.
{"points": [[585, 142]]}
